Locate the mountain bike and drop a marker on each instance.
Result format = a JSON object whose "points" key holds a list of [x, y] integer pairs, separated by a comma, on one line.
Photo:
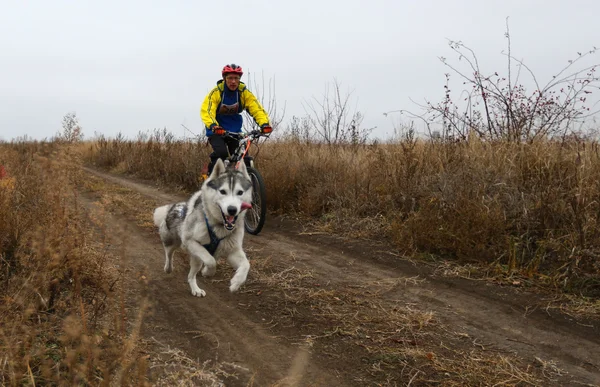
{"points": [[255, 217]]}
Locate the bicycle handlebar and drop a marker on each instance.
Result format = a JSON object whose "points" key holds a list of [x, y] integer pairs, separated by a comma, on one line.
{"points": [[254, 134]]}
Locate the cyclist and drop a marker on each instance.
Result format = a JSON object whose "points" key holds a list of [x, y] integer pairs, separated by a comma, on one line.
{"points": [[221, 112]]}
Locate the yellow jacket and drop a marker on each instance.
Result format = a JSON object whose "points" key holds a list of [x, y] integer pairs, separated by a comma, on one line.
{"points": [[247, 101]]}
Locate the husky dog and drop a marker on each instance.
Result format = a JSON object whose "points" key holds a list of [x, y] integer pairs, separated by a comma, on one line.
{"points": [[209, 225]]}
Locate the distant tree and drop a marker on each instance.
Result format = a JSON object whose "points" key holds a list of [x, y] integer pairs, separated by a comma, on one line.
{"points": [[71, 129]]}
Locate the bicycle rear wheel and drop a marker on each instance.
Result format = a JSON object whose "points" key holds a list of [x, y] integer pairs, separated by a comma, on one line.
{"points": [[255, 216]]}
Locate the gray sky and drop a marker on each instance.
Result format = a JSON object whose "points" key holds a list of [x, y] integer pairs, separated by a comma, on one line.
{"points": [[137, 65]]}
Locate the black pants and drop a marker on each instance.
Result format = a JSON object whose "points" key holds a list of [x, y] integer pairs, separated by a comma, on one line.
{"points": [[222, 148]]}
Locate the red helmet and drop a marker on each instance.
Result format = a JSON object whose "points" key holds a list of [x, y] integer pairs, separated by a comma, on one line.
{"points": [[232, 69]]}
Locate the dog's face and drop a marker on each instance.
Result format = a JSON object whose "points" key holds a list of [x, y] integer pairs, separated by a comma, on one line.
{"points": [[228, 192]]}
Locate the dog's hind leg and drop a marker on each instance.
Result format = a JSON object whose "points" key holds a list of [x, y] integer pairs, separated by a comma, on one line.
{"points": [[241, 265], [199, 256], [169, 251]]}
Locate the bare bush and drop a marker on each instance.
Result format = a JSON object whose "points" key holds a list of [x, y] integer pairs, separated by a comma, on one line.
{"points": [[266, 95], [500, 107], [333, 120], [299, 130]]}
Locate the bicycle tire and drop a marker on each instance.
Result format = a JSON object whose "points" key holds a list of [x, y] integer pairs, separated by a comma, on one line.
{"points": [[259, 204]]}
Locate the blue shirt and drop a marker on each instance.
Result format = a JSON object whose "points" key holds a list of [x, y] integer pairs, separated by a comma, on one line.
{"points": [[228, 111]]}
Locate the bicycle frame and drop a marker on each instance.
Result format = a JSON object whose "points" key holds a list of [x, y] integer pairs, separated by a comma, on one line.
{"points": [[254, 222], [245, 140]]}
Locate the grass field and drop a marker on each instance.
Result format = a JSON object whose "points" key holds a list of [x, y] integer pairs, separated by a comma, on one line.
{"points": [[528, 210], [522, 213]]}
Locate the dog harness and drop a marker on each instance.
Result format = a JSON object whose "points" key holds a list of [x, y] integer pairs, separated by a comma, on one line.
{"points": [[214, 240]]}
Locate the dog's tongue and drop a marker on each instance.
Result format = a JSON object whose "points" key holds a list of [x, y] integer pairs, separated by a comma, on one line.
{"points": [[246, 206], [230, 219]]}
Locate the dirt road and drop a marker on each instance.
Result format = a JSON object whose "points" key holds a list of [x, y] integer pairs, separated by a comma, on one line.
{"points": [[324, 311]]}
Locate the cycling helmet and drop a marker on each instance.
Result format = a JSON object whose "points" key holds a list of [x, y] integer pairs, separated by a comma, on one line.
{"points": [[232, 69]]}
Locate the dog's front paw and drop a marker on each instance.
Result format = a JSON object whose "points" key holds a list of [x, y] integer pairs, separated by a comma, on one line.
{"points": [[235, 286], [168, 268], [198, 292]]}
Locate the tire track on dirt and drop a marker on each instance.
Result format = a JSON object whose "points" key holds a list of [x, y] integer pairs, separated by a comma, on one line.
{"points": [[486, 313], [496, 318]]}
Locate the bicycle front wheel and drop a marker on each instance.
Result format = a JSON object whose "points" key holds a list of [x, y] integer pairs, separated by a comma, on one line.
{"points": [[255, 216]]}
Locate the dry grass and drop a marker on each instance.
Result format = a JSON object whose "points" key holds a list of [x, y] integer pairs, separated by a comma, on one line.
{"points": [[60, 321], [175, 368], [525, 209], [396, 341], [63, 316]]}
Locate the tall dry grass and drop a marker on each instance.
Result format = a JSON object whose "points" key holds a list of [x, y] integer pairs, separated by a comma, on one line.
{"points": [[61, 320], [157, 156], [526, 208]]}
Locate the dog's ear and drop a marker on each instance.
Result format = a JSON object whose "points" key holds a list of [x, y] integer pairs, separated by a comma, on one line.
{"points": [[242, 168], [218, 169]]}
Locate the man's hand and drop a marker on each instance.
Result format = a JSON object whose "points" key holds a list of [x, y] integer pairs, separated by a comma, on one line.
{"points": [[218, 130], [266, 129]]}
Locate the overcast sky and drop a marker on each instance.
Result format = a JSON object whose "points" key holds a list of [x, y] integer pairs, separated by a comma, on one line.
{"points": [[137, 65]]}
